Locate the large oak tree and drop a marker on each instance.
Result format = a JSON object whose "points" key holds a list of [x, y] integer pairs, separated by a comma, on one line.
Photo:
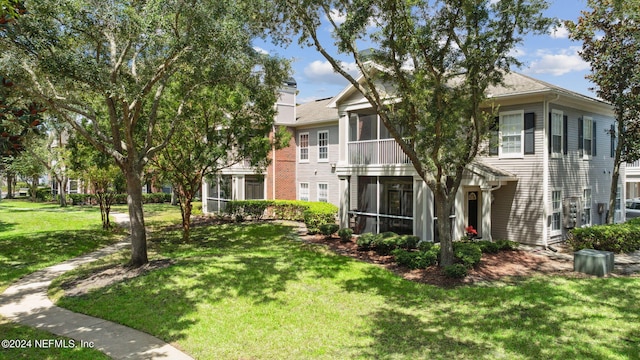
{"points": [[438, 56], [104, 67]]}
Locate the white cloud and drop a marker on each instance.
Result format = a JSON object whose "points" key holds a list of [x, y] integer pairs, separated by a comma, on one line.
{"points": [[322, 72], [337, 16], [518, 52], [567, 60], [560, 32], [260, 50]]}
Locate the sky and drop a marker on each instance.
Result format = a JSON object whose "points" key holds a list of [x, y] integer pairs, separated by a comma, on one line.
{"points": [[552, 58]]}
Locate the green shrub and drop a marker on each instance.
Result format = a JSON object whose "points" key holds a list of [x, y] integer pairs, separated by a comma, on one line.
{"points": [[314, 219], [408, 242], [385, 242], [156, 198], [414, 259], [467, 253], [345, 234], [328, 229], [80, 199], [425, 245], [457, 271], [618, 238], [507, 245], [43, 194], [365, 241], [488, 247]]}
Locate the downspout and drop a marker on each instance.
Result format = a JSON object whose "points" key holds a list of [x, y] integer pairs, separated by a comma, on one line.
{"points": [[273, 151], [545, 173]]}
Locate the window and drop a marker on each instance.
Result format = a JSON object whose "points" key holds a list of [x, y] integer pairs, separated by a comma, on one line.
{"points": [[587, 140], [323, 145], [303, 144], [586, 210], [556, 133], [556, 217], [511, 134], [303, 193], [618, 210], [323, 192]]}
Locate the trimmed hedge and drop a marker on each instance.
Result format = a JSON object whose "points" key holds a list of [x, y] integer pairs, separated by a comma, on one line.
{"points": [[152, 198], [617, 238], [345, 234], [314, 214], [468, 253]]}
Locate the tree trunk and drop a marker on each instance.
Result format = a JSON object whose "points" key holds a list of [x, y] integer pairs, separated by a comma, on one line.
{"points": [[174, 195], [62, 191], [443, 209], [185, 208], [34, 188], [10, 178], [616, 169], [136, 218]]}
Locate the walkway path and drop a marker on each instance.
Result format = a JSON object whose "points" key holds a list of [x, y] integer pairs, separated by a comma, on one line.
{"points": [[26, 302]]}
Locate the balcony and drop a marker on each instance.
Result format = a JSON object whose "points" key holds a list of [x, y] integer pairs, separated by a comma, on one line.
{"points": [[633, 170], [376, 152]]}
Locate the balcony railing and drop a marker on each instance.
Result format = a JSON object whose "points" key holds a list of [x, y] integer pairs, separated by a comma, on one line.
{"points": [[369, 152], [635, 164]]}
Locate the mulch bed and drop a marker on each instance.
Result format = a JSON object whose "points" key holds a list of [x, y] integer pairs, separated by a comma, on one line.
{"points": [[492, 267]]}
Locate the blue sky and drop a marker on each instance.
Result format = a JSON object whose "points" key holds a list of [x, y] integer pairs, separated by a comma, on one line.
{"points": [[552, 58]]}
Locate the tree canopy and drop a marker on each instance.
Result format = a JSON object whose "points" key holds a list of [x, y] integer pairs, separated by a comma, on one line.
{"points": [[105, 67], [610, 36]]}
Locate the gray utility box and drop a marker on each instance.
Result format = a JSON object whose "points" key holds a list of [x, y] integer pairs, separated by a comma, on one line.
{"points": [[594, 262]]}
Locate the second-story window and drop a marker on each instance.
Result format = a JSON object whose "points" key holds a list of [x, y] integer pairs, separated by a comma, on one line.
{"points": [[511, 134], [323, 145], [304, 146], [587, 137], [556, 133]]}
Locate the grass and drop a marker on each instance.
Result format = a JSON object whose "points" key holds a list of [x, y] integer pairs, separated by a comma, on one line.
{"points": [[32, 237], [255, 291]]}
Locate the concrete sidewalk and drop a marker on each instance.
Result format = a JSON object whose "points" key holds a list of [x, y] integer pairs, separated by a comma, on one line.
{"points": [[26, 302]]}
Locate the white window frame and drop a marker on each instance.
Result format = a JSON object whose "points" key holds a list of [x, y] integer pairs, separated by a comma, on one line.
{"points": [[303, 189], [303, 151], [587, 204], [511, 155], [587, 123], [617, 215], [323, 194], [557, 119], [325, 146], [556, 210]]}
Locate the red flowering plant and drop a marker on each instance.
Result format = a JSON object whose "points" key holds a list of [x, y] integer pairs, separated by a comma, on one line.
{"points": [[471, 232]]}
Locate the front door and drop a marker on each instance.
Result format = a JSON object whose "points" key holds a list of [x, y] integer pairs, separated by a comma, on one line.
{"points": [[472, 209]]}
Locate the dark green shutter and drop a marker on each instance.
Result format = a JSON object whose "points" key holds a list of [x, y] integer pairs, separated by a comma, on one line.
{"points": [[565, 141], [529, 133], [594, 143], [580, 136], [494, 133]]}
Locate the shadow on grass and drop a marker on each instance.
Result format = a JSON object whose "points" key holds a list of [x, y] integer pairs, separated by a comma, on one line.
{"points": [[537, 318], [255, 262], [23, 254], [5, 226]]}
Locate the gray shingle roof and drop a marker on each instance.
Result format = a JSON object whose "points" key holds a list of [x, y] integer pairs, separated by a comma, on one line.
{"points": [[315, 112]]}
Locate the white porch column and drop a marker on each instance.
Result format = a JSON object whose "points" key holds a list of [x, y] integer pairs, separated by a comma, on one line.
{"points": [[343, 212], [486, 214], [343, 137]]}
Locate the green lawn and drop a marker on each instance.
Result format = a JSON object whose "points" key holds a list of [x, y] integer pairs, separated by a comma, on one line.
{"points": [[253, 291], [32, 237]]}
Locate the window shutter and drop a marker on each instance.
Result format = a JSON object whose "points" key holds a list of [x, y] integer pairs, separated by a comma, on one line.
{"points": [[493, 140], [550, 135], [565, 142], [529, 133], [612, 132], [580, 136], [594, 143]]}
